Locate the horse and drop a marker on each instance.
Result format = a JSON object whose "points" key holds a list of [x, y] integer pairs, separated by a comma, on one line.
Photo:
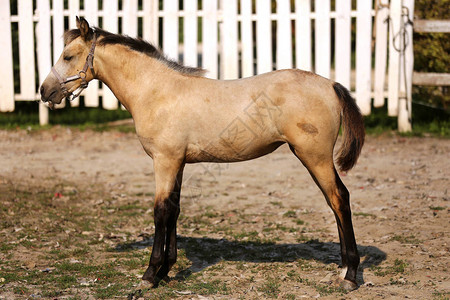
{"points": [[182, 117]]}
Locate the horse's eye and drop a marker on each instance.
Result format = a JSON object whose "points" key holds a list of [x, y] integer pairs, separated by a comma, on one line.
{"points": [[68, 58]]}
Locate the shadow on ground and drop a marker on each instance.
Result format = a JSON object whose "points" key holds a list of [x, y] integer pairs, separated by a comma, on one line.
{"points": [[205, 252]]}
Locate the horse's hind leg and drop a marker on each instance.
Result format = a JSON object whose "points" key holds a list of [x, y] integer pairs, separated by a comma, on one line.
{"points": [[321, 168]]}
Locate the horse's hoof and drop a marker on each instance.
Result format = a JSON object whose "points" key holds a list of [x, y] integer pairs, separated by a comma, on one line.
{"points": [[348, 285], [149, 275]]}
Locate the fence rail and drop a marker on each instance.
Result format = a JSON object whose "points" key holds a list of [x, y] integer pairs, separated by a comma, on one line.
{"points": [[431, 79], [229, 38]]}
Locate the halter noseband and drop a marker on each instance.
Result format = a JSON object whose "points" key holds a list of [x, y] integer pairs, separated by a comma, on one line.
{"points": [[81, 75]]}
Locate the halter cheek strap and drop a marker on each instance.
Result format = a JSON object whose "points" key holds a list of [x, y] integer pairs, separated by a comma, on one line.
{"points": [[80, 75]]}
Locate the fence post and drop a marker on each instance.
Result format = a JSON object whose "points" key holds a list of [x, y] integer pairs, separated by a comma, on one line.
{"points": [[406, 70], [6, 71]]}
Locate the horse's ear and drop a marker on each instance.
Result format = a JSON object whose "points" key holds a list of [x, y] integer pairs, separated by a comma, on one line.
{"points": [[85, 30]]}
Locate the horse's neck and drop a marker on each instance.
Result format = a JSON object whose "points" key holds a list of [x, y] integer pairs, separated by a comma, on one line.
{"points": [[133, 77]]}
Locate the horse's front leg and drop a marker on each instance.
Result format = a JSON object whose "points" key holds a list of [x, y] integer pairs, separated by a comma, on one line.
{"points": [[166, 171], [170, 256]]}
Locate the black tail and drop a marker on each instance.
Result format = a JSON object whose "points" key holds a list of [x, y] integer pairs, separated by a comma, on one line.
{"points": [[353, 129]]}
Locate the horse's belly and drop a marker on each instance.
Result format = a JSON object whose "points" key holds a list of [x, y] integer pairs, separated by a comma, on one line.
{"points": [[224, 151]]}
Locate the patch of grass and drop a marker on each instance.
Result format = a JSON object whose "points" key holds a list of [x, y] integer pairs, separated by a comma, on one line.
{"points": [[210, 214], [9, 276], [270, 288], [20, 290], [210, 288], [399, 267], [277, 203], [290, 214], [411, 239], [299, 222], [322, 289], [363, 214], [182, 261], [112, 290], [438, 295], [52, 293], [65, 281], [6, 247], [437, 208], [80, 251]]}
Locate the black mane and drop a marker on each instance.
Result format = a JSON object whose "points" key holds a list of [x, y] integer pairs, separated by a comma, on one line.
{"points": [[135, 44]]}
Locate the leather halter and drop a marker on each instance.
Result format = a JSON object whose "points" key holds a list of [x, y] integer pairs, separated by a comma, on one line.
{"points": [[81, 75]]}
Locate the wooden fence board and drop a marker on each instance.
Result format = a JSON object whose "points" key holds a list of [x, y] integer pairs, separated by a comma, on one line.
{"points": [[263, 37], [26, 54], [129, 19], [91, 97], [190, 36], [394, 57], [322, 38], [381, 35], [303, 35], [429, 26], [406, 69], [110, 23], [44, 58], [284, 35], [342, 47], [6, 70], [170, 29], [150, 21], [247, 39], [229, 40], [210, 38], [74, 11], [363, 55], [431, 79]]}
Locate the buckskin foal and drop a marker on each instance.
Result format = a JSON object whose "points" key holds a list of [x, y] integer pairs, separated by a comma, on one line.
{"points": [[182, 117]]}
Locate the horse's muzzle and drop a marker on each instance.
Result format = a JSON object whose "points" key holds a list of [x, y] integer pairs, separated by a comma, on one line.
{"points": [[51, 96]]}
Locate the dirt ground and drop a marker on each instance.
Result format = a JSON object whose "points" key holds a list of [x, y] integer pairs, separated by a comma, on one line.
{"points": [[76, 222]]}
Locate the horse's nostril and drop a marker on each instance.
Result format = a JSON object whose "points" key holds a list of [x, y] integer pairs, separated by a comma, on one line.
{"points": [[42, 90]]}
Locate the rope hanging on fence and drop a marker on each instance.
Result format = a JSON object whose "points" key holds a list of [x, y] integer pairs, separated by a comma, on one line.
{"points": [[403, 42]]}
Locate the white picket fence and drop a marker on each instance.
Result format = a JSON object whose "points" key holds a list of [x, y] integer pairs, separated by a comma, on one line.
{"points": [[227, 43]]}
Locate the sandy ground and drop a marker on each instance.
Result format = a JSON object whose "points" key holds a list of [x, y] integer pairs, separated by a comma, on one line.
{"points": [[399, 196]]}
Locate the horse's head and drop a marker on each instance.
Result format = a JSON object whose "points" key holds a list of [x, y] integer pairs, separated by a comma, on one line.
{"points": [[74, 68]]}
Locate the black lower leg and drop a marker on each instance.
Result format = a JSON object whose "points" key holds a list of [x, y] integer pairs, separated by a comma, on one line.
{"points": [[350, 256], [170, 254], [157, 256]]}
